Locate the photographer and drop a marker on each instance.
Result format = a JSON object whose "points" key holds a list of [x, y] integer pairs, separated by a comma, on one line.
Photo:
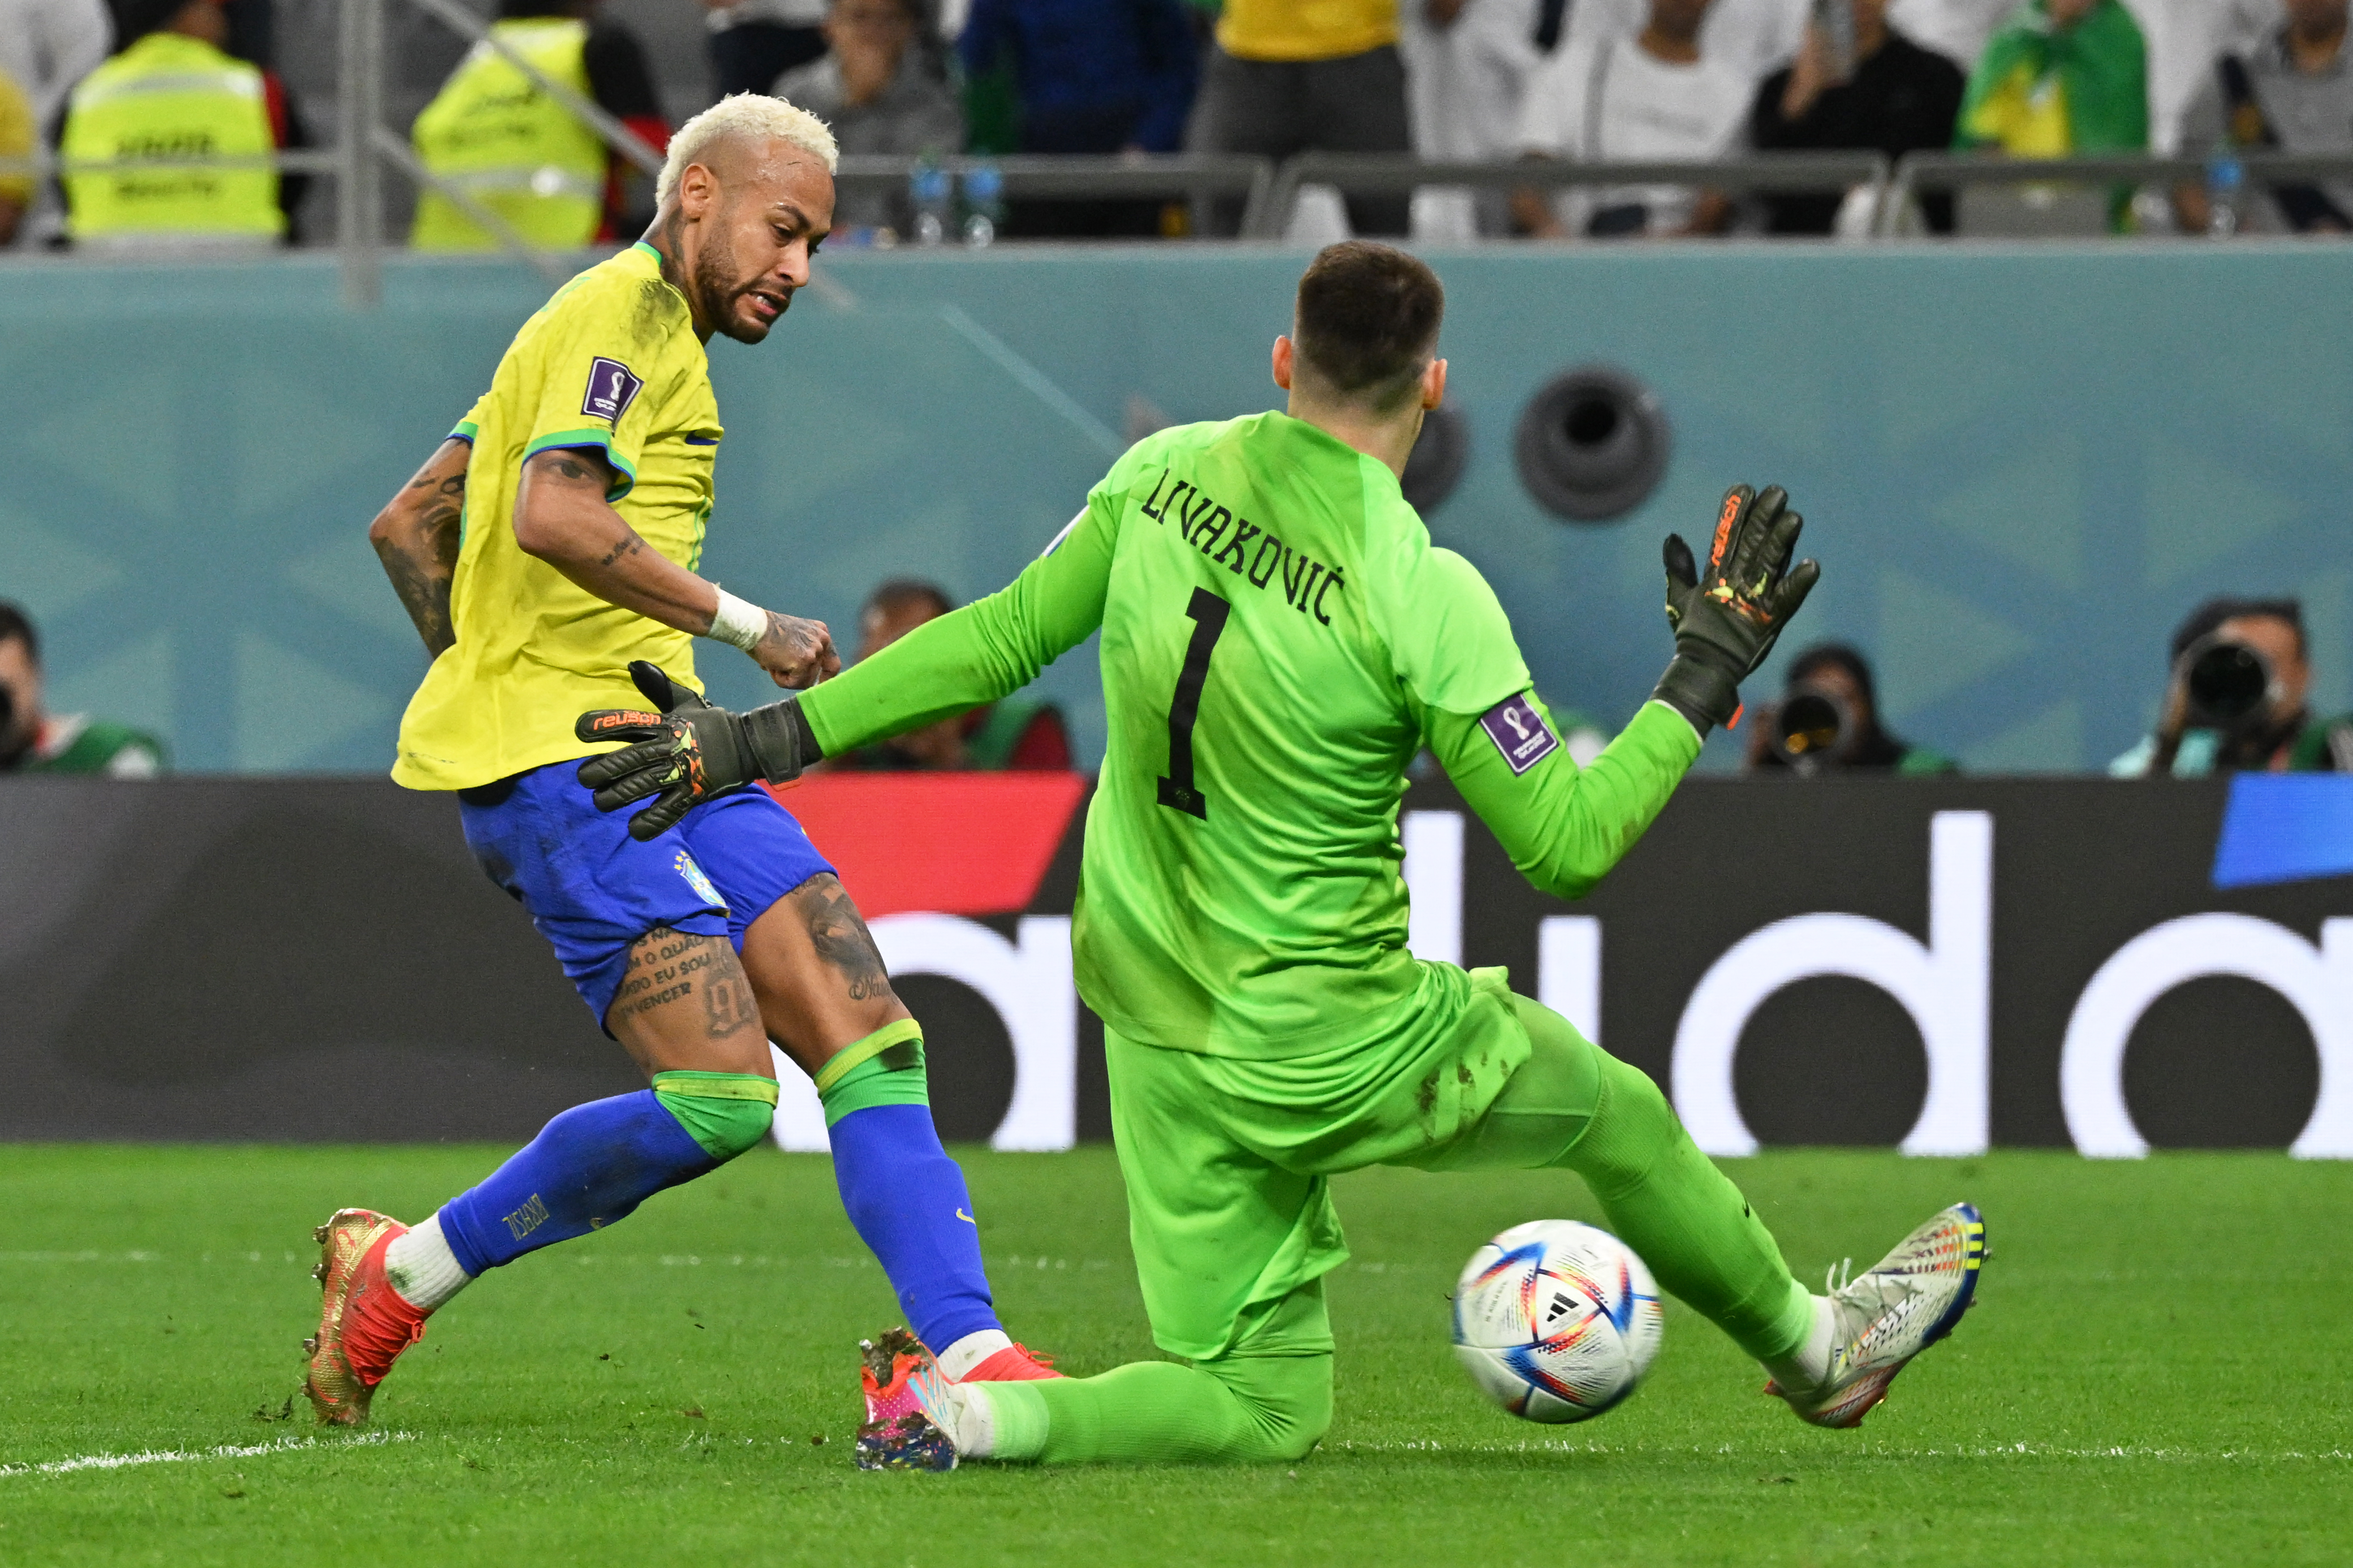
{"points": [[34, 740], [2236, 700], [1828, 721]]}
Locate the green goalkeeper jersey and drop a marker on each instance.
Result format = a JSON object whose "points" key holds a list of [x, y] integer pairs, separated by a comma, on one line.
{"points": [[1279, 638]]}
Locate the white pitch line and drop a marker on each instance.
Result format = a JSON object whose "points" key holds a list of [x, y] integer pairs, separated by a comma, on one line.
{"points": [[180, 1456]]}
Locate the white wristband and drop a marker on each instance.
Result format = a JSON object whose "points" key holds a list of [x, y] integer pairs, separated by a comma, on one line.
{"points": [[738, 622]]}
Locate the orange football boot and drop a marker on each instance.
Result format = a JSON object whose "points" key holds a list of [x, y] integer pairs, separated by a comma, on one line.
{"points": [[363, 1323]]}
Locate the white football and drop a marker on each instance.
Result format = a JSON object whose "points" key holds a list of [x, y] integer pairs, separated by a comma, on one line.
{"points": [[1557, 1321]]}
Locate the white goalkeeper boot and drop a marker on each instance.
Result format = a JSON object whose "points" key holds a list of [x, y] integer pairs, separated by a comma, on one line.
{"points": [[1880, 1320]]}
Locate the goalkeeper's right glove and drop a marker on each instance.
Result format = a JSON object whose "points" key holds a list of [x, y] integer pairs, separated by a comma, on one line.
{"points": [[688, 751], [1727, 621]]}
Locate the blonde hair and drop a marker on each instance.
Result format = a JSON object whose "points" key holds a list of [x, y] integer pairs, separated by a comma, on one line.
{"points": [[750, 115]]}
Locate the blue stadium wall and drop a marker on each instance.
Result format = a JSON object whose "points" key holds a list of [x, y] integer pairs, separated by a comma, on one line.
{"points": [[2020, 466]]}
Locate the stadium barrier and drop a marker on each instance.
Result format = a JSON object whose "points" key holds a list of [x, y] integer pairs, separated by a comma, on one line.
{"points": [[1939, 965], [1270, 191], [1363, 174]]}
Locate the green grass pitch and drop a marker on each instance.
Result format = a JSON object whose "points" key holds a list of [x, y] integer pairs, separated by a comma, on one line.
{"points": [[2157, 1372]]}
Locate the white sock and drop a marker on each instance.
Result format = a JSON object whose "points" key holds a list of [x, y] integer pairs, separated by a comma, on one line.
{"points": [[967, 1352], [1809, 1363], [972, 1423], [421, 1268]]}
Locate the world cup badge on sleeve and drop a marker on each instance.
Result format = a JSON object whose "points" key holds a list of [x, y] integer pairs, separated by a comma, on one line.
{"points": [[1519, 732], [611, 389]]}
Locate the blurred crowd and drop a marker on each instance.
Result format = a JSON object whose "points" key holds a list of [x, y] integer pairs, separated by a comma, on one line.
{"points": [[1481, 80]]}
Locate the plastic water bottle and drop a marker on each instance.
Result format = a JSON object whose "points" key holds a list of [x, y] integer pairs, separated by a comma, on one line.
{"points": [[930, 187], [2225, 178], [983, 203]]}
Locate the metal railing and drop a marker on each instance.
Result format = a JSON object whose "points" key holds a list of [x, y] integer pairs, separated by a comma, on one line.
{"points": [[1917, 172], [1394, 175], [1191, 177]]}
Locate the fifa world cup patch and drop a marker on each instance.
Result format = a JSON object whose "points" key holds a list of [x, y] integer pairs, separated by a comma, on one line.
{"points": [[697, 880], [1519, 732], [611, 390]]}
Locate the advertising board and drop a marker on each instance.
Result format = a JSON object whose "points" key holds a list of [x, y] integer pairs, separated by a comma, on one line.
{"points": [[1940, 966]]}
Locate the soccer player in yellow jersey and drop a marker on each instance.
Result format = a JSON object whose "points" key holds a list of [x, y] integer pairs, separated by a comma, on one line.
{"points": [[583, 482]]}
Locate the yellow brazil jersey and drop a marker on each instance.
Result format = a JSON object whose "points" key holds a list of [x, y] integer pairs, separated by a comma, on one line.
{"points": [[611, 362], [1306, 29]]}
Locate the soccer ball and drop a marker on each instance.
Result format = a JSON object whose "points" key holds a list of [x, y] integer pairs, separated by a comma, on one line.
{"points": [[1557, 1321]]}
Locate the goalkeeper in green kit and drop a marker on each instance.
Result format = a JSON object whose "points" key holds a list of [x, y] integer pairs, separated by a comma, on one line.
{"points": [[1279, 639]]}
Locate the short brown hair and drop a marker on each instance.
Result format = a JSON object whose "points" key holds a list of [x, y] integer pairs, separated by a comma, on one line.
{"points": [[1368, 321]]}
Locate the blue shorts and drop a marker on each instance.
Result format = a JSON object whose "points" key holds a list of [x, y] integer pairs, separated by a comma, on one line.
{"points": [[593, 890]]}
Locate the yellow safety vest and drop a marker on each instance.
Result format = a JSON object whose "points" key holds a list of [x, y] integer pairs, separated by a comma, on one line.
{"points": [[170, 96], [497, 135]]}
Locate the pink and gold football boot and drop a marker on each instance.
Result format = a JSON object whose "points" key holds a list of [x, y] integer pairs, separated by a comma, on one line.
{"points": [[363, 1323]]}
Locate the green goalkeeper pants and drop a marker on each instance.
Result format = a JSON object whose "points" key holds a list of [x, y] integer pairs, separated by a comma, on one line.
{"points": [[1228, 1164]]}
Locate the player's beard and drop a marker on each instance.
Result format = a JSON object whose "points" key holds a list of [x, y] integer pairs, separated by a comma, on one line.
{"points": [[716, 280]]}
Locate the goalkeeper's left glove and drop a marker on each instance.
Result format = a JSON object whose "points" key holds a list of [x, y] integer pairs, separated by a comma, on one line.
{"points": [[1727, 621], [688, 751]]}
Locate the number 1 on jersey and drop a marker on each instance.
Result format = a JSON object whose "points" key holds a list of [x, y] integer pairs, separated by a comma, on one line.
{"points": [[1209, 615]]}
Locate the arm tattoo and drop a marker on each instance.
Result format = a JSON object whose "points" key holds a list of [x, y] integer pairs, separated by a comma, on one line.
{"points": [[842, 940], [629, 546], [422, 576], [452, 488], [424, 591], [572, 468]]}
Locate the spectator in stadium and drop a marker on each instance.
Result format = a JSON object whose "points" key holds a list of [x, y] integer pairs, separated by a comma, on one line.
{"points": [[1008, 736], [35, 740], [1751, 37], [1089, 76], [2061, 78], [2293, 94], [491, 132], [1889, 95], [16, 141], [1468, 63], [1286, 77], [753, 42], [1654, 97], [2253, 717], [214, 100], [2183, 38], [1828, 719], [46, 46], [881, 94]]}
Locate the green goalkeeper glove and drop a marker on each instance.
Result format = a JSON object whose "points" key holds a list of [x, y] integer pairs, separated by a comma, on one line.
{"points": [[688, 751], [1728, 621]]}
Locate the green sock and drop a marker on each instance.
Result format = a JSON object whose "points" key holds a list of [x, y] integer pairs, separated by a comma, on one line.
{"points": [[1668, 1202], [1239, 1408], [886, 1067]]}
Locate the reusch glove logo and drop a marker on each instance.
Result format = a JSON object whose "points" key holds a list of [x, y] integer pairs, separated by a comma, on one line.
{"points": [[593, 726], [1733, 502]]}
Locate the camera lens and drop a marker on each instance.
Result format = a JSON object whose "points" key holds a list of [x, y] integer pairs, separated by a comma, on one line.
{"points": [[1808, 727], [1592, 444], [2227, 683]]}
